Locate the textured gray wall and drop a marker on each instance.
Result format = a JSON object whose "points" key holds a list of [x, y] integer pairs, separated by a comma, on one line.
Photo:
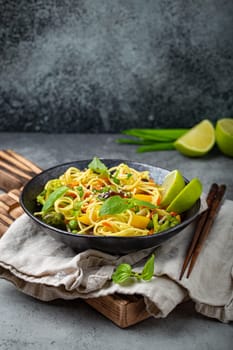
{"points": [[102, 65]]}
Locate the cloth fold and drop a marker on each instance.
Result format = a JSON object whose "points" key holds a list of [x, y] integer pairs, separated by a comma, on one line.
{"points": [[47, 269]]}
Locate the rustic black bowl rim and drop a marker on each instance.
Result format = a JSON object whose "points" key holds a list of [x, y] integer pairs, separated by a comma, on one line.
{"points": [[114, 239]]}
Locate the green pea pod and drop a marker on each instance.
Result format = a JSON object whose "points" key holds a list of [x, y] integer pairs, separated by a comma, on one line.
{"points": [[155, 220], [53, 197], [165, 225]]}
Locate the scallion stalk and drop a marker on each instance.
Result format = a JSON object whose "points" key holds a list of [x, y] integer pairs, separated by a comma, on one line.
{"points": [[152, 139], [156, 134], [159, 146], [135, 141]]}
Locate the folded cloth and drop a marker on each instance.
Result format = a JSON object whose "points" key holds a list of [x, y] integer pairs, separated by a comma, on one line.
{"points": [[46, 268]]}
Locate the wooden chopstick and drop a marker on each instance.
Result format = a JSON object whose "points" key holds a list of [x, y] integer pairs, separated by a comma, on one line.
{"points": [[203, 227], [201, 221]]}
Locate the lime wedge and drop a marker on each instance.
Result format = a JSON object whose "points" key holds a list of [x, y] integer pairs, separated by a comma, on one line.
{"points": [[187, 197], [197, 141], [224, 135], [172, 185]]}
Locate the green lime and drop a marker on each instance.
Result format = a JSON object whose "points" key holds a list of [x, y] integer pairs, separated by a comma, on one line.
{"points": [[173, 183], [224, 135], [197, 141], [187, 197]]}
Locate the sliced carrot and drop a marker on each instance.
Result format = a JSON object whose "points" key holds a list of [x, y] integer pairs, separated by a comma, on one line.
{"points": [[73, 183], [107, 224], [98, 186], [72, 194], [87, 194], [159, 200], [152, 182]]}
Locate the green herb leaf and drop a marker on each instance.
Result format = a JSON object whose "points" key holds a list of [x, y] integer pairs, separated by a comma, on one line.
{"points": [[148, 269], [124, 272], [97, 166], [53, 197], [161, 135], [141, 203], [113, 205], [158, 146], [117, 205], [115, 179]]}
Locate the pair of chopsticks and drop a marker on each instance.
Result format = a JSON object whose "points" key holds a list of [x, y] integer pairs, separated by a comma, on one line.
{"points": [[203, 227]]}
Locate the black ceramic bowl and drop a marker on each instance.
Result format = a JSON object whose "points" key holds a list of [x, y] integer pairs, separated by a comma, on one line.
{"points": [[113, 245]]}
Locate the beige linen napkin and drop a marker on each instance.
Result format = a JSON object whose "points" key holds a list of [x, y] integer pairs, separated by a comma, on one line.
{"points": [[47, 269]]}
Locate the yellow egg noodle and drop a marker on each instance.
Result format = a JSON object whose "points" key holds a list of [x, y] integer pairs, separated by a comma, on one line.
{"points": [[101, 201]]}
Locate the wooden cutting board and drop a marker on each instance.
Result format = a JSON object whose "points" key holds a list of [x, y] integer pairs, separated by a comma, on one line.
{"points": [[15, 171]]}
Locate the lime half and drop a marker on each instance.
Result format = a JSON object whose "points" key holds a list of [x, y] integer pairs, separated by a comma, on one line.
{"points": [[224, 136], [197, 141], [172, 185], [187, 197]]}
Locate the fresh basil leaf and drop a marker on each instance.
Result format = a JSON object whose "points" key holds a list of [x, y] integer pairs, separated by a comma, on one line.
{"points": [[113, 205], [125, 272], [53, 197], [97, 166], [115, 179], [117, 205], [122, 273], [135, 202], [148, 269]]}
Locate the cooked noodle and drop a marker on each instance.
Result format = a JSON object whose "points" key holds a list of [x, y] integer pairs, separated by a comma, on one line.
{"points": [[87, 191]]}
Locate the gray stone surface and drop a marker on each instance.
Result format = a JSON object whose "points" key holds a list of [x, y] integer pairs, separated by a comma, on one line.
{"points": [[103, 66], [26, 323]]}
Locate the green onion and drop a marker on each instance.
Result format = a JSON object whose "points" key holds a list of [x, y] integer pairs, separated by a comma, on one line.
{"points": [[156, 134], [135, 141], [159, 146], [152, 139]]}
